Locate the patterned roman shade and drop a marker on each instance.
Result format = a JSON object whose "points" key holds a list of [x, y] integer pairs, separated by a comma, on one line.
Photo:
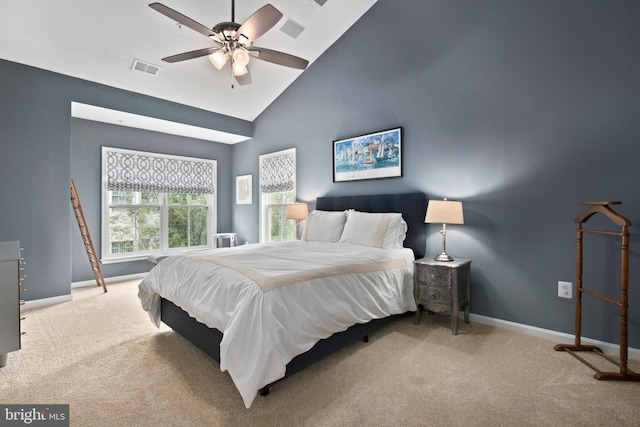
{"points": [[155, 173], [277, 171]]}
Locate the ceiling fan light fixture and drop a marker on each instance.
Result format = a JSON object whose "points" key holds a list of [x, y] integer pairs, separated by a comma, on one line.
{"points": [[239, 69], [241, 57], [218, 59]]}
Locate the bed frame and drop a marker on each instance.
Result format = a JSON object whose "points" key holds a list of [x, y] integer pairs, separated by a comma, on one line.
{"points": [[412, 206]]}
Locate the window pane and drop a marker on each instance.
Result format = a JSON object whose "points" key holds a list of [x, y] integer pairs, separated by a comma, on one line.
{"points": [[198, 222], [147, 229], [276, 198], [177, 198], [198, 199], [281, 229], [276, 215], [138, 225], [187, 227], [149, 199], [121, 197], [122, 247]]}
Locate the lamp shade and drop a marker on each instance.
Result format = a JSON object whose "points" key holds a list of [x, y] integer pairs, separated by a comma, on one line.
{"points": [[444, 212], [218, 59], [239, 69], [296, 211], [240, 56]]}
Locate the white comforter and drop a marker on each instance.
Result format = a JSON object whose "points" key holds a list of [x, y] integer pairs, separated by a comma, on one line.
{"points": [[274, 301]]}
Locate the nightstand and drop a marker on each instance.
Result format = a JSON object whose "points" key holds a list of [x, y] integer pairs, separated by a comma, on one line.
{"points": [[442, 287]]}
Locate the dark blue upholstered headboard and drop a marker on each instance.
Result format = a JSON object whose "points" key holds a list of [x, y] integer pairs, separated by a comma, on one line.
{"points": [[412, 206]]}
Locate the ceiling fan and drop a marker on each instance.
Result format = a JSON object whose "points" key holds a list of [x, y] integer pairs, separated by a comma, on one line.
{"points": [[234, 42]]}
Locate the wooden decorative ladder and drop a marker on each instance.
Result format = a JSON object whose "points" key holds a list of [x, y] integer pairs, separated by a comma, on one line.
{"points": [[86, 238]]}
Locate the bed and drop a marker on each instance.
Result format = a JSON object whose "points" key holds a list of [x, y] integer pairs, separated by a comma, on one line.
{"points": [[280, 311]]}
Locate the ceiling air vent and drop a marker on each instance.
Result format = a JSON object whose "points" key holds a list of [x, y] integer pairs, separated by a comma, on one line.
{"points": [[320, 2], [292, 28], [145, 67]]}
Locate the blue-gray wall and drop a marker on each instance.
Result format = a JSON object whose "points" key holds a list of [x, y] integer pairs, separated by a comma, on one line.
{"points": [[521, 109], [35, 163]]}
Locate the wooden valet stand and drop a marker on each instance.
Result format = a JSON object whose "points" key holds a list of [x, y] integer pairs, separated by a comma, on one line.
{"points": [[625, 374]]}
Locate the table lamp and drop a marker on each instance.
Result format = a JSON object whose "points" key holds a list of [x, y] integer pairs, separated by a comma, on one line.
{"points": [[296, 211], [444, 212]]}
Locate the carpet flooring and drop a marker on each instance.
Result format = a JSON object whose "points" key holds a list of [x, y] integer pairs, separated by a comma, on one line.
{"points": [[101, 354]]}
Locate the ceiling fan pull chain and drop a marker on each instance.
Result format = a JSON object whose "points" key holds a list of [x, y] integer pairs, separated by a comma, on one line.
{"points": [[231, 74]]}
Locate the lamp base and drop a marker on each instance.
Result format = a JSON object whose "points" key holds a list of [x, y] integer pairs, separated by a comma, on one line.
{"points": [[443, 257]]}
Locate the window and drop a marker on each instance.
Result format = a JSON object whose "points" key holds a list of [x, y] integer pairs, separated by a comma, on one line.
{"points": [[277, 188], [154, 203], [279, 228]]}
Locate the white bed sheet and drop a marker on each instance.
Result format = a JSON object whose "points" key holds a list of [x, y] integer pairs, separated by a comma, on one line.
{"points": [[274, 301]]}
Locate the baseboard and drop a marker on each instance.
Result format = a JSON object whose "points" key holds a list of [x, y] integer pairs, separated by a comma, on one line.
{"points": [[66, 298], [108, 280], [560, 337], [47, 301]]}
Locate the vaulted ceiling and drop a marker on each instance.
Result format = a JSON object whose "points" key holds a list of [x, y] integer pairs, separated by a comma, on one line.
{"points": [[99, 41]]}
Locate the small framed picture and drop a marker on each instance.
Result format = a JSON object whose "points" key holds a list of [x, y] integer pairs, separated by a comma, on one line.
{"points": [[244, 189], [375, 155]]}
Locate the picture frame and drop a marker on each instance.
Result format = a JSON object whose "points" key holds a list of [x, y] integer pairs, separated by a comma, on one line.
{"points": [[371, 156], [244, 190]]}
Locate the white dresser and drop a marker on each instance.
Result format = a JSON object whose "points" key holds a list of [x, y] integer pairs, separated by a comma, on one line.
{"points": [[10, 279]]}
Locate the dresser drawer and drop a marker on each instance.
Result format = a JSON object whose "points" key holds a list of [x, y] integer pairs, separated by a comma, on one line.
{"points": [[10, 288]]}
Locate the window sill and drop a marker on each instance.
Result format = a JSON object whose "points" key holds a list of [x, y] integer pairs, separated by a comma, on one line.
{"points": [[125, 259], [145, 257]]}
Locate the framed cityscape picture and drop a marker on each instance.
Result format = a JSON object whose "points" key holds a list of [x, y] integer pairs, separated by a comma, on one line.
{"points": [[371, 156]]}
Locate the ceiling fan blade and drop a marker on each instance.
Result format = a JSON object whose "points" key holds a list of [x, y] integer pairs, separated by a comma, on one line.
{"points": [[190, 55], [279, 58], [244, 79], [259, 23], [181, 19]]}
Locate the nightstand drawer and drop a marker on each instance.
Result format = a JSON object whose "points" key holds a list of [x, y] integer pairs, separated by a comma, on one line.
{"points": [[433, 275], [435, 298]]}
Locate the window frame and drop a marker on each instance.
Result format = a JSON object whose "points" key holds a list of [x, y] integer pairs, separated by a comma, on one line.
{"points": [[264, 205], [107, 257]]}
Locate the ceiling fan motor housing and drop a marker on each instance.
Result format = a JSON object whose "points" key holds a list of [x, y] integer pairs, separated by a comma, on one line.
{"points": [[227, 31]]}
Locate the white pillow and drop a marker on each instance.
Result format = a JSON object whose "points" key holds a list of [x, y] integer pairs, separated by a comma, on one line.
{"points": [[379, 230], [324, 226]]}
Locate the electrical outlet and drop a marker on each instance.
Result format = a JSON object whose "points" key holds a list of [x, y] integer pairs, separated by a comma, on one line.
{"points": [[565, 289]]}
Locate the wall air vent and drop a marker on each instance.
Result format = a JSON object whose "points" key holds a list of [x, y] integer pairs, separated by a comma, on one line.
{"points": [[292, 28], [145, 67]]}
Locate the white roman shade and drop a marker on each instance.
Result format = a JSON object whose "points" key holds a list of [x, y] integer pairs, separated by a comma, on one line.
{"points": [[148, 172], [278, 171]]}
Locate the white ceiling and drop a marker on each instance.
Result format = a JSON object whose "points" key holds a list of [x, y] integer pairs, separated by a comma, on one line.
{"points": [[99, 40]]}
